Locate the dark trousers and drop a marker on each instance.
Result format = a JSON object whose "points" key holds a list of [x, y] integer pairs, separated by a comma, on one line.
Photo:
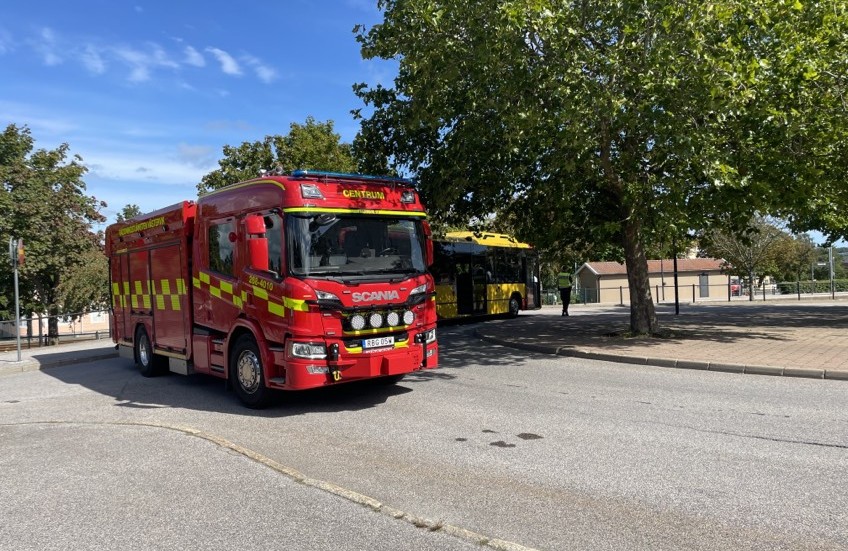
{"points": [[565, 295]]}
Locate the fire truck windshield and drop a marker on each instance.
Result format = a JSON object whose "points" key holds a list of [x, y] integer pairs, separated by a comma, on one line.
{"points": [[329, 245]]}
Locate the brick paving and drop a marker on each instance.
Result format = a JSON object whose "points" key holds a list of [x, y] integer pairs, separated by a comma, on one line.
{"points": [[808, 339]]}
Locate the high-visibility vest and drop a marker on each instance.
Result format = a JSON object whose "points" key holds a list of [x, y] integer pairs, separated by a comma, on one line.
{"points": [[563, 280]]}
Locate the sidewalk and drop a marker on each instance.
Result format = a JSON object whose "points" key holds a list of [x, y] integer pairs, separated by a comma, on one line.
{"points": [[88, 350], [800, 339]]}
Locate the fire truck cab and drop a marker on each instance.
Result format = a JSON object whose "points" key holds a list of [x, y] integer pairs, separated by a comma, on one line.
{"points": [[283, 282]]}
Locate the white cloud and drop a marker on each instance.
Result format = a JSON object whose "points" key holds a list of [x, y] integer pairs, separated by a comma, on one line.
{"points": [[141, 63], [228, 64], [193, 57], [6, 44], [93, 61], [198, 156], [160, 167], [264, 72], [45, 45]]}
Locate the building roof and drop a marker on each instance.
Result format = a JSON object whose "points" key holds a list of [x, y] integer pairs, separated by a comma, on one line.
{"points": [[658, 266]]}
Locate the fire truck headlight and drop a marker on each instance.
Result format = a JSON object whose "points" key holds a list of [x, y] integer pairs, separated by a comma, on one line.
{"points": [[310, 191], [309, 350], [323, 295], [357, 322], [418, 290], [393, 319], [376, 320], [408, 317]]}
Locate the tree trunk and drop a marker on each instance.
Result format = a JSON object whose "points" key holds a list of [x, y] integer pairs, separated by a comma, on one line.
{"points": [[643, 316], [52, 325], [750, 286]]}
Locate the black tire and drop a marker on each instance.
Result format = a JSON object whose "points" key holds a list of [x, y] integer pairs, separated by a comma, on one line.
{"points": [[247, 374], [514, 306], [149, 365]]}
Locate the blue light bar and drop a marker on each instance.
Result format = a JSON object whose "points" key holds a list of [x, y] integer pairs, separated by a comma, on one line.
{"points": [[349, 176]]}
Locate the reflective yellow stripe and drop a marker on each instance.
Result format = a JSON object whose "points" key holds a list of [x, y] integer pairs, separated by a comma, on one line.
{"points": [[276, 309], [226, 286], [260, 292], [357, 211], [295, 304], [204, 277]]}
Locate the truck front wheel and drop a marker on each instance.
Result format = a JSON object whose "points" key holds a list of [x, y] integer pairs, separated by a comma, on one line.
{"points": [[247, 375]]}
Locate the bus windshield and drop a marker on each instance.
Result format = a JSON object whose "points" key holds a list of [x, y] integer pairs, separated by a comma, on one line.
{"points": [[353, 245]]}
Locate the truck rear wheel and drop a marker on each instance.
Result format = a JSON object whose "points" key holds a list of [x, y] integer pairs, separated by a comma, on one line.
{"points": [[148, 364], [247, 374]]}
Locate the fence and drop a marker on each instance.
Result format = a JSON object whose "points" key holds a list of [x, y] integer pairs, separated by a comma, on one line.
{"points": [[728, 292], [72, 327]]}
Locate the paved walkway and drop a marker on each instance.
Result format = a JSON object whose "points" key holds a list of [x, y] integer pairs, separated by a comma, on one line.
{"points": [[802, 339], [87, 350]]}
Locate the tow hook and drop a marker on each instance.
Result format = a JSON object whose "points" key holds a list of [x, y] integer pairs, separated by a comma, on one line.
{"points": [[332, 366]]}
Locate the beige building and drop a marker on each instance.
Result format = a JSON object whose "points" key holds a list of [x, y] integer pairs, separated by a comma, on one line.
{"points": [[697, 279]]}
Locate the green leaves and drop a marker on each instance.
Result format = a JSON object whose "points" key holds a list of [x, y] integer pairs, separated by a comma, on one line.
{"points": [[43, 201], [312, 145], [572, 118]]}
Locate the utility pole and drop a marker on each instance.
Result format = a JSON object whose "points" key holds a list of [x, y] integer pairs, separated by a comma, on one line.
{"points": [[16, 257], [830, 262]]}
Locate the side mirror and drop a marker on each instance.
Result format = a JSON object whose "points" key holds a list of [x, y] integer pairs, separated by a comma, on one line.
{"points": [[257, 243], [428, 235]]}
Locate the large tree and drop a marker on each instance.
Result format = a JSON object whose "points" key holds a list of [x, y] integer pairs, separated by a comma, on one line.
{"points": [[43, 202], [751, 255], [312, 145], [615, 122]]}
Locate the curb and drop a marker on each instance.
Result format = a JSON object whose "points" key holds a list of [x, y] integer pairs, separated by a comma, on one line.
{"points": [[35, 365], [803, 372]]}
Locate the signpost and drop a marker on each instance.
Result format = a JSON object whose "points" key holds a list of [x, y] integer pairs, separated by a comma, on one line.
{"points": [[16, 257]]}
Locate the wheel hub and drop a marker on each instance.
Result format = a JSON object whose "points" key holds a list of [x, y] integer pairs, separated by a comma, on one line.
{"points": [[248, 371]]}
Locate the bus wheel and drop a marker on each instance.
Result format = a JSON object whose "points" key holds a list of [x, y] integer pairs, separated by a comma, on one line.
{"points": [[144, 358], [514, 306], [247, 375]]}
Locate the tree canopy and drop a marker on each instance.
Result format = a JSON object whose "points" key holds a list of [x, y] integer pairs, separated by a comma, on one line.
{"points": [[43, 201], [615, 123], [312, 145], [129, 211]]}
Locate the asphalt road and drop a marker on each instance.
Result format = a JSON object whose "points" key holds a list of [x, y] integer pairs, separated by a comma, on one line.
{"points": [[528, 450]]}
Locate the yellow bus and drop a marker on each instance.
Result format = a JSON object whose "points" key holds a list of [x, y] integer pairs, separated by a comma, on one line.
{"points": [[484, 274]]}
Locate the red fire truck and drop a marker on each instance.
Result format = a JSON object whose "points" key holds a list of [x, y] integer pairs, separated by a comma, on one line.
{"points": [[282, 282]]}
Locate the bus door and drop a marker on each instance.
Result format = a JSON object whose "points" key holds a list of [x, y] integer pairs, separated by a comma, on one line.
{"points": [[470, 287], [530, 275]]}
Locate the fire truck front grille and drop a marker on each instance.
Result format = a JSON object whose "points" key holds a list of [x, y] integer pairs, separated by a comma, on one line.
{"points": [[374, 320]]}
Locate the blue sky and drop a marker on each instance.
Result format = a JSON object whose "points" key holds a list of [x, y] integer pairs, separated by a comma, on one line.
{"points": [[148, 92]]}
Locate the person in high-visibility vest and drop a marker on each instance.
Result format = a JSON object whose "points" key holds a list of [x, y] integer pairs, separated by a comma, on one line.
{"points": [[564, 284]]}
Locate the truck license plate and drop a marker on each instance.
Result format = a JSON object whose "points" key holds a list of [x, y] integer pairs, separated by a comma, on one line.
{"points": [[378, 342]]}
